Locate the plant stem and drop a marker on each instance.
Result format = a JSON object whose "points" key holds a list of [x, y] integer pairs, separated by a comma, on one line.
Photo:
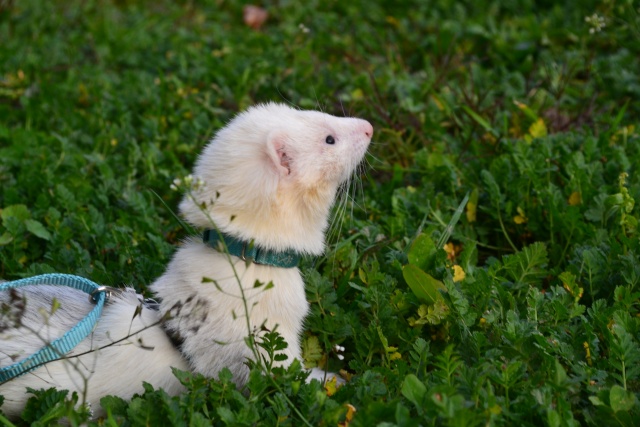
{"points": [[504, 231], [6, 422]]}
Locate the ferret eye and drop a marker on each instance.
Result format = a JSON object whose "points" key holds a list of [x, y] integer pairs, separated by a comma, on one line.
{"points": [[330, 140]]}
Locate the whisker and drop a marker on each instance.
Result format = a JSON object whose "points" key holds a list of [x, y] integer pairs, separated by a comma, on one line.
{"points": [[285, 99], [344, 113], [372, 157], [338, 215]]}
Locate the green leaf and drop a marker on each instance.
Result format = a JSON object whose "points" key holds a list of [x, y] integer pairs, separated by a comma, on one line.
{"points": [[36, 227], [527, 266], [363, 275], [20, 212], [621, 399], [444, 238], [311, 351], [481, 121], [492, 186], [6, 238], [432, 314], [226, 415], [423, 285], [199, 420], [553, 418], [526, 110], [114, 404], [560, 374], [422, 252], [613, 127], [66, 197], [403, 416], [414, 389], [45, 404], [596, 401]]}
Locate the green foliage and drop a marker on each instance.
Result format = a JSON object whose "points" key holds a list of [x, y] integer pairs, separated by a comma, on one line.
{"points": [[47, 407], [488, 274]]}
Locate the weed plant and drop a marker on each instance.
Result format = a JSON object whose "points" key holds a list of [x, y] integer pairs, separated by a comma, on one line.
{"points": [[487, 271]]}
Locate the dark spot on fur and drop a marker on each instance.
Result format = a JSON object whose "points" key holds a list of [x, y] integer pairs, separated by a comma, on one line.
{"points": [[144, 347], [12, 311], [187, 319], [175, 310]]}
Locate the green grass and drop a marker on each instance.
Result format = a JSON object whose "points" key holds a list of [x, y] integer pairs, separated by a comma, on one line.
{"points": [[515, 104]]}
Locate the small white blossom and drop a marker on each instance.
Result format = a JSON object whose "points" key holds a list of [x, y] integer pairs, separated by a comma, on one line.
{"points": [[304, 28], [176, 184], [596, 22], [199, 184], [190, 183]]}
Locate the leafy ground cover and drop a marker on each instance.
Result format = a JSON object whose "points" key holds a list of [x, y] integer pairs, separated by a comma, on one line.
{"points": [[485, 273]]}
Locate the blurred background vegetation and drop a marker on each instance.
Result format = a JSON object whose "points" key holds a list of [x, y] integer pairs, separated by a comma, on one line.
{"points": [[528, 107]]}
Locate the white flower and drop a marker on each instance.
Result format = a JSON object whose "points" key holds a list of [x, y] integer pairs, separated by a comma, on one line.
{"points": [[596, 22], [176, 184], [190, 182]]}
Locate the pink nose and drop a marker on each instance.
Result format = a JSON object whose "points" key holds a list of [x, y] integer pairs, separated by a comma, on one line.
{"points": [[368, 129]]}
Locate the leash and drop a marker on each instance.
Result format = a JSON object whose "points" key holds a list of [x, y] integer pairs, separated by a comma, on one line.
{"points": [[63, 345]]}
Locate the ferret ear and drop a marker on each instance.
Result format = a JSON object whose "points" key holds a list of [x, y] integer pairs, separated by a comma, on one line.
{"points": [[277, 150]]}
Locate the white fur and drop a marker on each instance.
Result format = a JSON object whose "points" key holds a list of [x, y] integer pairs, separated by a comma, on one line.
{"points": [[278, 206], [117, 368], [269, 177]]}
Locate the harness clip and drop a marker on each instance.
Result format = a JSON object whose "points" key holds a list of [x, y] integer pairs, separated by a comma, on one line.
{"points": [[106, 289]]}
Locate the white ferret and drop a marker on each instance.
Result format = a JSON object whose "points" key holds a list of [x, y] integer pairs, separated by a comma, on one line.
{"points": [[270, 178]]}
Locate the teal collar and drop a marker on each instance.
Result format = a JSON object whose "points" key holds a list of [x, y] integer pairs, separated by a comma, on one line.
{"points": [[248, 251]]}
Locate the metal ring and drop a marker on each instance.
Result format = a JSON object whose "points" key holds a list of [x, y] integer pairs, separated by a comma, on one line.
{"points": [[242, 256], [106, 289]]}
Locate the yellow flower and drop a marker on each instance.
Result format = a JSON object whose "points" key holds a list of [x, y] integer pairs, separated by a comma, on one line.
{"points": [[331, 386], [452, 250], [521, 218], [351, 410], [575, 199], [472, 209], [458, 274], [537, 130]]}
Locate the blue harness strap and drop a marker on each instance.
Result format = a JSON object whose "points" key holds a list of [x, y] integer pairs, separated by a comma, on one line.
{"points": [[63, 345]]}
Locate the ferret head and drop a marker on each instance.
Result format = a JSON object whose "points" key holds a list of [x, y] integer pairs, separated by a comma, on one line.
{"points": [[271, 175]]}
